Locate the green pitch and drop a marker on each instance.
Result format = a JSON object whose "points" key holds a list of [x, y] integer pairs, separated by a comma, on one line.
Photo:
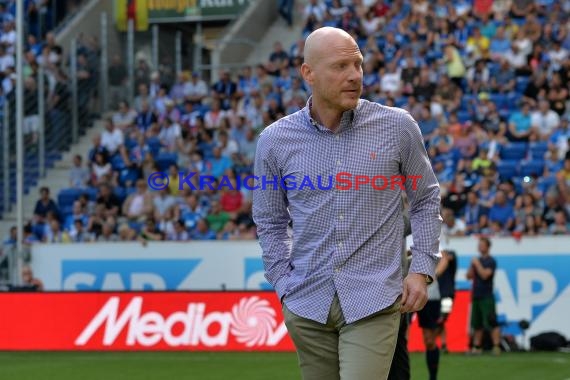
{"points": [[256, 366]]}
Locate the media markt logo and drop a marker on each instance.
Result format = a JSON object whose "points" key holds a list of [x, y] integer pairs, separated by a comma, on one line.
{"points": [[251, 322]]}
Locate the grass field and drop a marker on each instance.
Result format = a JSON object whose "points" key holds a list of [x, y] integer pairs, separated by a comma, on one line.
{"points": [[256, 366]]}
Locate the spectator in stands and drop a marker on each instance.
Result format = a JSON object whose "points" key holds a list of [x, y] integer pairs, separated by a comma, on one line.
{"points": [[102, 171], [203, 231], [150, 232], [558, 140], [196, 89], [520, 126], [145, 118], [218, 164], [78, 175], [501, 211], [78, 213], [179, 232], [107, 234], [557, 94], [452, 226], [563, 180], [560, 225], [142, 96], [44, 205], [217, 217], [224, 90], [118, 76], [54, 233], [450, 94], [544, 120], [79, 234], [29, 280], [475, 214], [124, 117], [112, 138], [111, 203], [138, 206], [170, 133]]}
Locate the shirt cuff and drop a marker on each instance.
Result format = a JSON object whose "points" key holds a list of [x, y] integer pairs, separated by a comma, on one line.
{"points": [[423, 264], [281, 286]]}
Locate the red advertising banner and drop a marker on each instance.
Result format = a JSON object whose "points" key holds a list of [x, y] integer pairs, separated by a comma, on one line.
{"points": [[176, 321]]}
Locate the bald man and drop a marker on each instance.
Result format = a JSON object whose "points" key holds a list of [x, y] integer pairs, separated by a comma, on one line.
{"points": [[338, 273]]}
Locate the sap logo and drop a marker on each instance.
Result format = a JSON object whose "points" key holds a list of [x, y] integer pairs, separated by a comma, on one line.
{"points": [[117, 275], [255, 275], [526, 286]]}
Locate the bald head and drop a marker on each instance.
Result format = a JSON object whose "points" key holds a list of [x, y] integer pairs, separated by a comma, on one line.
{"points": [[319, 43]]}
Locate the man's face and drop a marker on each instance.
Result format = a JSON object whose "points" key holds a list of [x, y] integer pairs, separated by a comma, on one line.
{"points": [[336, 77]]}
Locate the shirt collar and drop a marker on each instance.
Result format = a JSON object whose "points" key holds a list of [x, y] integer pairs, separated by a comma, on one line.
{"points": [[345, 121]]}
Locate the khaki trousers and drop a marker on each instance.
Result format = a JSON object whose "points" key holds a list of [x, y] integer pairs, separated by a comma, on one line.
{"points": [[362, 350]]}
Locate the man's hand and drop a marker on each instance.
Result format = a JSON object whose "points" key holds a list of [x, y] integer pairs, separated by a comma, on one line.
{"points": [[414, 297]]}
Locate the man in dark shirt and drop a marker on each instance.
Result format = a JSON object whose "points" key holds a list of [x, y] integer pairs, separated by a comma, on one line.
{"points": [[109, 200], [44, 205], [446, 270], [483, 313]]}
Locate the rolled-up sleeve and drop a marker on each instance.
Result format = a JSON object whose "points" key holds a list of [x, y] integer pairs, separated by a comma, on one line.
{"points": [[271, 216], [424, 197]]}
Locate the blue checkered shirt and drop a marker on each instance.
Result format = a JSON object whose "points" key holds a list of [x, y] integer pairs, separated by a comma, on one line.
{"points": [[343, 241]]}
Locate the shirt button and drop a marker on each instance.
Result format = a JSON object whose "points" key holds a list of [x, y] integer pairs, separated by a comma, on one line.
{"points": [[341, 217], [340, 244], [337, 137], [337, 270], [338, 162]]}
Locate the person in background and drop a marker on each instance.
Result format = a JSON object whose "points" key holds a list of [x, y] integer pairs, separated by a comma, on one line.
{"points": [[483, 309], [445, 272], [29, 280]]}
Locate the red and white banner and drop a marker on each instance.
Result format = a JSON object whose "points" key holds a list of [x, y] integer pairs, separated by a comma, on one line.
{"points": [[176, 321]]}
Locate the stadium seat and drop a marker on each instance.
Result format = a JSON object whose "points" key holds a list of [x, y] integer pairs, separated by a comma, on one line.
{"points": [[507, 169], [154, 145], [463, 116], [514, 151], [120, 193], [518, 183], [500, 100], [538, 150], [164, 160], [66, 197], [545, 183], [117, 163], [532, 167]]}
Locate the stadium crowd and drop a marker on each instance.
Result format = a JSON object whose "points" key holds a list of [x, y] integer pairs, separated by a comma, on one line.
{"points": [[487, 81]]}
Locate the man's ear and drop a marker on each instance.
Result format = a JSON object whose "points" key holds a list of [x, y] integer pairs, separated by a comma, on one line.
{"points": [[307, 73]]}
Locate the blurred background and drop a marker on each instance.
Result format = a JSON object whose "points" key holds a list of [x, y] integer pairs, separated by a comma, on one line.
{"points": [[113, 91]]}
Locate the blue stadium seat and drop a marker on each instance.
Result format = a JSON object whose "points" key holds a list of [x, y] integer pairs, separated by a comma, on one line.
{"points": [[120, 193], [500, 100], [66, 197], [401, 101], [532, 167], [117, 163], [538, 150], [463, 116], [545, 183], [507, 169], [154, 145], [128, 174], [518, 183], [92, 193], [164, 160], [514, 151], [130, 143]]}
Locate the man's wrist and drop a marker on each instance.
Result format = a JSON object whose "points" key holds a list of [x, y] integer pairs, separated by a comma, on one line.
{"points": [[427, 277]]}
